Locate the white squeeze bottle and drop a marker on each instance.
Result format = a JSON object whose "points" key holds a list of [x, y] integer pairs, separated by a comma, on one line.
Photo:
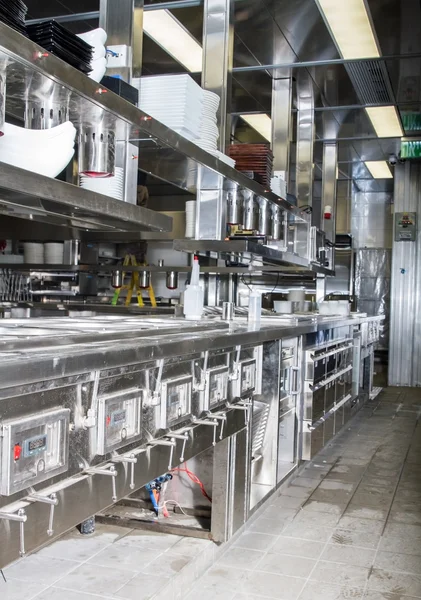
{"points": [[194, 295]]}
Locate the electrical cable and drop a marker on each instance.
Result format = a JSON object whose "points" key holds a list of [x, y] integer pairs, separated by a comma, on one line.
{"points": [[176, 504], [195, 479]]}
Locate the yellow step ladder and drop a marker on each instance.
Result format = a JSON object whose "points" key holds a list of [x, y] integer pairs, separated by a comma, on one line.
{"points": [[133, 286]]}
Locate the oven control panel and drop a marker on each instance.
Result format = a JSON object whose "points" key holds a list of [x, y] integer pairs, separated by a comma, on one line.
{"points": [[119, 420], [216, 390], [175, 400], [33, 449], [246, 381]]}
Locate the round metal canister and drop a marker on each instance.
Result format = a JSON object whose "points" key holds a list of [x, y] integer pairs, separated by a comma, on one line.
{"points": [[96, 152], [117, 279], [172, 280], [45, 114], [251, 210], [277, 232], [144, 279], [264, 216], [234, 199]]}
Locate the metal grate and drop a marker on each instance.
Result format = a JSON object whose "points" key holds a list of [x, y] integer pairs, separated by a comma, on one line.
{"points": [[259, 425], [371, 81]]}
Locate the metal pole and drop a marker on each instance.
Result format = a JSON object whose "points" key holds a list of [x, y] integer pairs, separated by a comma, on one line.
{"points": [[218, 51], [281, 124], [330, 163], [305, 139]]}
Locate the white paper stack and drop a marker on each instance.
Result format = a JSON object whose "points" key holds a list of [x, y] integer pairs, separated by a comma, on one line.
{"points": [[33, 253], [190, 218], [53, 253]]}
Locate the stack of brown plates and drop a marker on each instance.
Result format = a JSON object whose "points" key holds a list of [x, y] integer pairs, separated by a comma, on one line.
{"points": [[255, 158]]}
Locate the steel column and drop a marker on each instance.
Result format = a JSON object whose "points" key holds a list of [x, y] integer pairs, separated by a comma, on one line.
{"points": [[123, 22], [281, 123], [305, 139], [218, 51], [330, 164]]}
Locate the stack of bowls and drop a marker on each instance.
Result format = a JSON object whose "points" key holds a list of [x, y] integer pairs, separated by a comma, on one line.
{"points": [[53, 253], [108, 186], [43, 151], [33, 253], [190, 218]]}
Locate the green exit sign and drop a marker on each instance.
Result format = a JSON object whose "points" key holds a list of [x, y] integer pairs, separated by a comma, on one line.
{"points": [[411, 149]]}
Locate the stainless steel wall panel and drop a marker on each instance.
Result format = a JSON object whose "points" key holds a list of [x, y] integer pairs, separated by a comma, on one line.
{"points": [[405, 328]]}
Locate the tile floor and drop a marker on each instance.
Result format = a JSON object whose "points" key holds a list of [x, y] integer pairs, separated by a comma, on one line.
{"points": [[348, 527]]}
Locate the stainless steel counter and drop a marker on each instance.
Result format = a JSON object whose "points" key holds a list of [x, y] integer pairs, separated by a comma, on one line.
{"points": [[93, 408]]}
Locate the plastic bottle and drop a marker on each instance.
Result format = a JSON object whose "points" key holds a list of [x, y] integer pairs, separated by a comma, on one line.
{"points": [[194, 295], [255, 308]]}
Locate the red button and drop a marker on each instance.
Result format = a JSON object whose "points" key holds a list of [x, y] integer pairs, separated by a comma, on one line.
{"points": [[108, 421], [18, 451]]}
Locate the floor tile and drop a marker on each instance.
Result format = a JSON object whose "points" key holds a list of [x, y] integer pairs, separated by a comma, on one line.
{"points": [[242, 558], [362, 512], [141, 587], [314, 590], [297, 492], [221, 577], [289, 502], [305, 482], [209, 594], [14, 589], [95, 580], [304, 532], [55, 593], [367, 525], [40, 569], [166, 565], [125, 557], [191, 546], [385, 596], [363, 539], [340, 574], [296, 547], [285, 564], [273, 586], [315, 506], [317, 519], [351, 555], [392, 561], [393, 582], [75, 546], [145, 539], [400, 545], [270, 526], [256, 541]]}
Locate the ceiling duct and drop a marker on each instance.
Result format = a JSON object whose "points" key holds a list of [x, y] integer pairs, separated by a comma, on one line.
{"points": [[371, 82]]}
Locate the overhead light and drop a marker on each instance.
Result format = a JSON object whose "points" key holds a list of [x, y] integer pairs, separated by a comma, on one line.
{"points": [[379, 169], [261, 123], [385, 121], [350, 27], [173, 37]]}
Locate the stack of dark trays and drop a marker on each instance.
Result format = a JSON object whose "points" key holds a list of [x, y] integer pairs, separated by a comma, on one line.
{"points": [[254, 158], [13, 14], [62, 43]]}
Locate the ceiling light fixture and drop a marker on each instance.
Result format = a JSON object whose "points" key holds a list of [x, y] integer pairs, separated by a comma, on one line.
{"points": [[351, 28], [173, 37], [261, 122], [379, 169], [385, 121]]}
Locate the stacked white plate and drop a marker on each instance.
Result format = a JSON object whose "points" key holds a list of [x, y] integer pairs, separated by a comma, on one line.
{"points": [[108, 186], [53, 253], [209, 133], [278, 186], [33, 253], [175, 101], [190, 218]]}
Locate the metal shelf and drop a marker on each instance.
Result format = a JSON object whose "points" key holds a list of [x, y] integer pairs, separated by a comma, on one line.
{"points": [[267, 253], [33, 74], [29, 195]]}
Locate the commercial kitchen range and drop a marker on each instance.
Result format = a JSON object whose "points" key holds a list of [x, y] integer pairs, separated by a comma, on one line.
{"points": [[93, 408]]}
